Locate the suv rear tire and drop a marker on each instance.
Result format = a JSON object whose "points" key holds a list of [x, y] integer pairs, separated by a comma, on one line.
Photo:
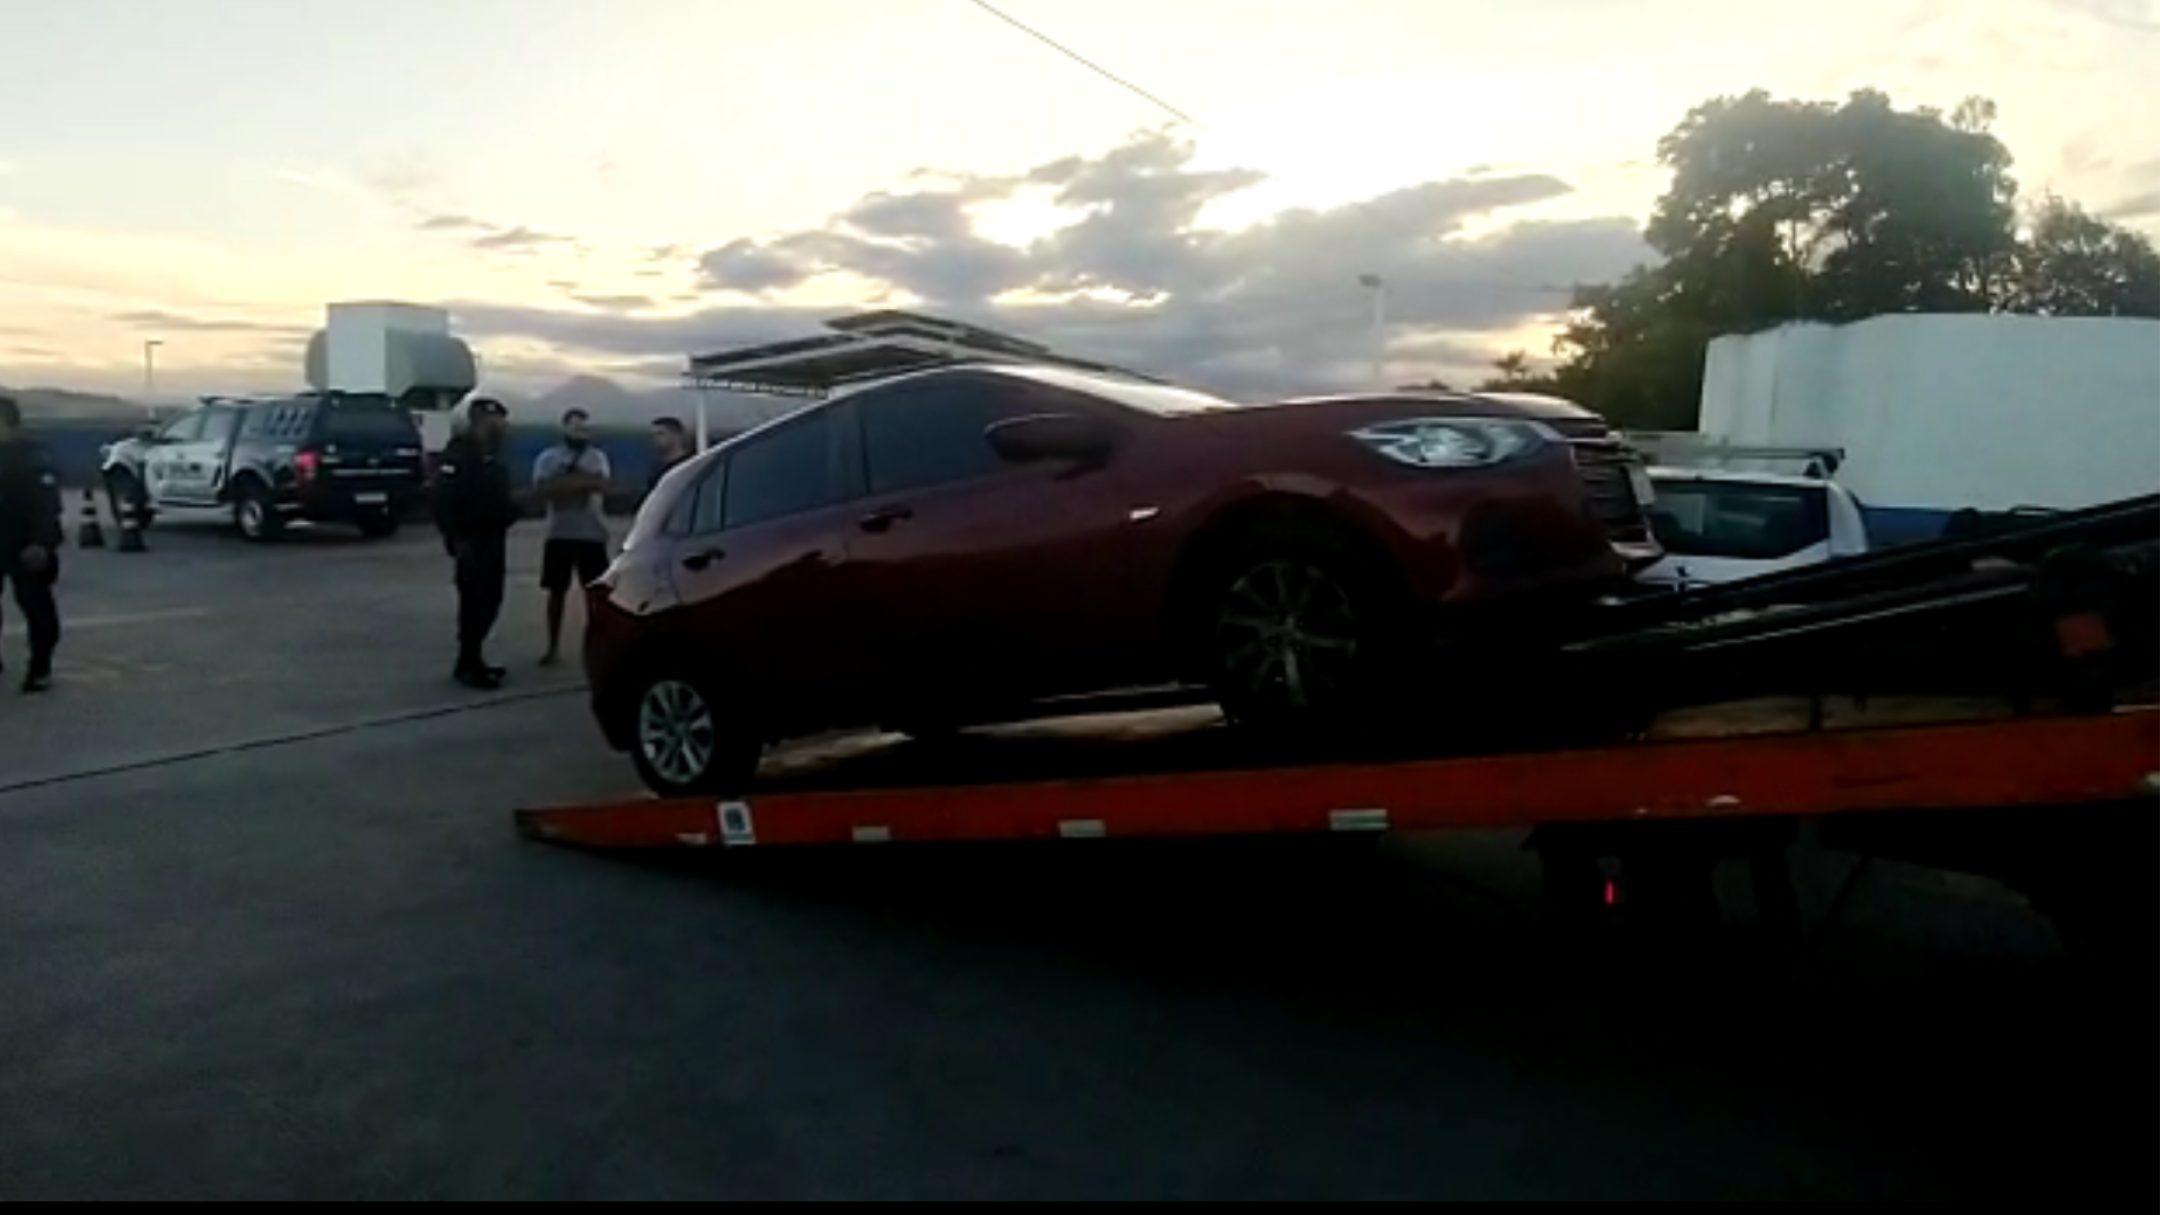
{"points": [[685, 740], [255, 514]]}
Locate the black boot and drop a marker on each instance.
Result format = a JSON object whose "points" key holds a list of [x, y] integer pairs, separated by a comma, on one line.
{"points": [[477, 674], [38, 678]]}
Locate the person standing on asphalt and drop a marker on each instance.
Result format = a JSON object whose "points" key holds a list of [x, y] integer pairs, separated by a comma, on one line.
{"points": [[474, 511], [671, 446], [572, 477], [30, 536]]}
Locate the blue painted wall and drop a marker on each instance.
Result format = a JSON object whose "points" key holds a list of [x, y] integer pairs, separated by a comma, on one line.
{"points": [[1889, 526]]}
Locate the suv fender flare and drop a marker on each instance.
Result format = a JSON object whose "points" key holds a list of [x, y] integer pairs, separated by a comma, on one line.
{"points": [[1231, 521], [230, 491]]}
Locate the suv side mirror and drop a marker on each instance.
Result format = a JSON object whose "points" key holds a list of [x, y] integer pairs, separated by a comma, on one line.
{"points": [[1053, 436]]}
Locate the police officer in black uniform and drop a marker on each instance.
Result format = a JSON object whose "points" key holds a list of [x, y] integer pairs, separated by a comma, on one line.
{"points": [[30, 539], [474, 511]]}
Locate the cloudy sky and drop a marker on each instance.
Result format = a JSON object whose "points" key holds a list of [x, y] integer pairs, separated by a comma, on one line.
{"points": [[603, 187]]}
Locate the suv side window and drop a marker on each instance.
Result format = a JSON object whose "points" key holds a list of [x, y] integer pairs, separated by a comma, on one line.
{"points": [[185, 428], [698, 511], [932, 434], [269, 422], [219, 422], [782, 472]]}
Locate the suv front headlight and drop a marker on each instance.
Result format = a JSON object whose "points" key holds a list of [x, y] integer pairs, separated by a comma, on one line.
{"points": [[1455, 442]]}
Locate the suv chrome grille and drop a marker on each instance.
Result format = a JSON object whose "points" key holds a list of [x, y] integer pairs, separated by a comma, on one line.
{"points": [[1604, 468]]}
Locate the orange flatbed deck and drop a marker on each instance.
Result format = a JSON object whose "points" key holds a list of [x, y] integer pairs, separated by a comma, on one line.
{"points": [[2030, 761]]}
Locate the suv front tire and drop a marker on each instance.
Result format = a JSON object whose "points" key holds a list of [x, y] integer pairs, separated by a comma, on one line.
{"points": [[1302, 629]]}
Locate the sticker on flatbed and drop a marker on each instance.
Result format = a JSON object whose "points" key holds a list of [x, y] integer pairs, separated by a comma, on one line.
{"points": [[1357, 820], [737, 829]]}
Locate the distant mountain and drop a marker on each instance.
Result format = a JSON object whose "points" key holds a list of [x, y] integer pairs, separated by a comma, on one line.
{"points": [[610, 404], [60, 404], [604, 398]]}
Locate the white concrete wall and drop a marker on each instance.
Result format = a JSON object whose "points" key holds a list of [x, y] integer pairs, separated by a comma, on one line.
{"points": [[1941, 412], [359, 348]]}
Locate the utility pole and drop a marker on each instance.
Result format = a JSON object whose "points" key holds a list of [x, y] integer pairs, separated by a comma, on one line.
{"points": [[149, 375], [1378, 286]]}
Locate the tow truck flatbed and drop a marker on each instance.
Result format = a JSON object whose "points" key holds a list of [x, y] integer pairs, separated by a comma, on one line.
{"points": [[2053, 761], [2053, 624]]}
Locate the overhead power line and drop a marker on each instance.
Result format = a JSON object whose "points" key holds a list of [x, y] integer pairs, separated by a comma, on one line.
{"points": [[1085, 62]]}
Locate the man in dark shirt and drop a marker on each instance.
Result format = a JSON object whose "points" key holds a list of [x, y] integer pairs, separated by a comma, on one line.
{"points": [[671, 446], [474, 511], [30, 539]]}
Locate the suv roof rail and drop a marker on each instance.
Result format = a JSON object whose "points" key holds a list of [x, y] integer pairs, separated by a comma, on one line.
{"points": [[288, 398]]}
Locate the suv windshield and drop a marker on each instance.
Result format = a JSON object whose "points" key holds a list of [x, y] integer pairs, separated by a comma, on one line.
{"points": [[350, 423], [1738, 519]]}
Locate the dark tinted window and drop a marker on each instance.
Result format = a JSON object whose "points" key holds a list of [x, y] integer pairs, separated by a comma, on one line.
{"points": [[348, 422], [682, 513], [184, 428], [1736, 519], [933, 433], [781, 472], [699, 509], [255, 422], [219, 422]]}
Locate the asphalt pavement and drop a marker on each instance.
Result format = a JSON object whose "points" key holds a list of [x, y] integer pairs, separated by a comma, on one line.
{"points": [[265, 931]]}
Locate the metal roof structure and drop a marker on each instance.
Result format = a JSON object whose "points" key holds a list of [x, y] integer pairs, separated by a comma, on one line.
{"points": [[869, 346]]}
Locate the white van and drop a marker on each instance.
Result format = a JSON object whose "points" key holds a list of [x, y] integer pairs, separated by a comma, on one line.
{"points": [[1717, 526]]}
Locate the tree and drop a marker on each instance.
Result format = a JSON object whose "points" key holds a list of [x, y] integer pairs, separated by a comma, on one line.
{"points": [[2071, 264], [1782, 210], [1515, 374]]}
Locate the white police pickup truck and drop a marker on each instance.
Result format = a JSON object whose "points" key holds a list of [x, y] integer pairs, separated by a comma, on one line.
{"points": [[1719, 526]]}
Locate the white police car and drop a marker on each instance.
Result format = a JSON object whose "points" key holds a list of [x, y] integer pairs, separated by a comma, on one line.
{"points": [[1721, 526]]}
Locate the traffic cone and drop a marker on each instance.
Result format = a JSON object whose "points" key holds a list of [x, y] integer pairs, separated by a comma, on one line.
{"points": [[92, 532], [131, 537]]}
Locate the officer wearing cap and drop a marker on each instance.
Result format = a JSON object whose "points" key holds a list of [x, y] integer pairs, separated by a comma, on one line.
{"points": [[30, 539], [474, 511]]}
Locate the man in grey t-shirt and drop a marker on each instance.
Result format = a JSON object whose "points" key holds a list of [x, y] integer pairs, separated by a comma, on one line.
{"points": [[572, 476]]}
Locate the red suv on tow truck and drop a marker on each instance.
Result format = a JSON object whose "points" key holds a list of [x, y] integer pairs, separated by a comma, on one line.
{"points": [[955, 545]]}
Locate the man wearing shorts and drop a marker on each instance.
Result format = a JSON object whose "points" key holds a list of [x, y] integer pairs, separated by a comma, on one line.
{"points": [[572, 477]]}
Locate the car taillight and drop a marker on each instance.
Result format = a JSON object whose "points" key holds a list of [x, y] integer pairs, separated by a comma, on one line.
{"points": [[305, 466]]}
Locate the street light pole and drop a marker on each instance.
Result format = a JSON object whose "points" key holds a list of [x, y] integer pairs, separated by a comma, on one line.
{"points": [[149, 374], [1378, 286]]}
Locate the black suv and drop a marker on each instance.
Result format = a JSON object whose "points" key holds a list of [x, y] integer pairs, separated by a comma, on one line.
{"points": [[328, 458]]}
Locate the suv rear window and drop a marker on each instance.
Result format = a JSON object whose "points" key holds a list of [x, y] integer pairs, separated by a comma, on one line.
{"points": [[350, 423], [1738, 518]]}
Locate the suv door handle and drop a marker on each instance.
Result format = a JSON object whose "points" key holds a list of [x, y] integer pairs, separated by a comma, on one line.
{"points": [[884, 517], [698, 561]]}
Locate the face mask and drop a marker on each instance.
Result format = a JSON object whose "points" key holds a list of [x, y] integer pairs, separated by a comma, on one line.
{"points": [[576, 442]]}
